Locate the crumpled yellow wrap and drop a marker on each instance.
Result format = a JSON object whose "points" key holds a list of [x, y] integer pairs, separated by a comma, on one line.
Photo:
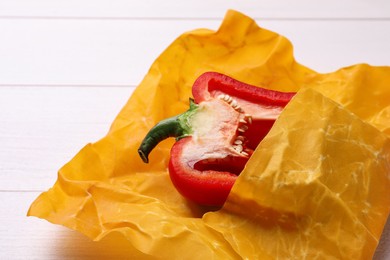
{"points": [[317, 186]]}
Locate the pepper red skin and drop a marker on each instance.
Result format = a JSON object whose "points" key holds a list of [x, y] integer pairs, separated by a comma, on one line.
{"points": [[212, 187], [210, 82], [209, 188]]}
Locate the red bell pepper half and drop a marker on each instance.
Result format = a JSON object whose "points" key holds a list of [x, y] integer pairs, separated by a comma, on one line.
{"points": [[226, 120]]}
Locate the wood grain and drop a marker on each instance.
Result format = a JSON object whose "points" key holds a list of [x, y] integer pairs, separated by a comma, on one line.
{"points": [[110, 52], [44, 127], [154, 9]]}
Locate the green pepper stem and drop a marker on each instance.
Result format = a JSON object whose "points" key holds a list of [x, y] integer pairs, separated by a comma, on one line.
{"points": [[176, 126], [169, 127]]}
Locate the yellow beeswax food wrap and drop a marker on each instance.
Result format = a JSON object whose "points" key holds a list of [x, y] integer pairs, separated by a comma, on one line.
{"points": [[317, 186]]}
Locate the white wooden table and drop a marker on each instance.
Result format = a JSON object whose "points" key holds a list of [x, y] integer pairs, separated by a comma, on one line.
{"points": [[68, 66]]}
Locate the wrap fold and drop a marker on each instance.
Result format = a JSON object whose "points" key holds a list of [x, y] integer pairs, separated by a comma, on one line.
{"points": [[318, 185]]}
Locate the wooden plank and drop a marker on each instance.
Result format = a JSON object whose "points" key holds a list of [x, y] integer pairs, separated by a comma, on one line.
{"points": [[42, 128], [24, 237], [195, 9], [83, 53], [111, 52]]}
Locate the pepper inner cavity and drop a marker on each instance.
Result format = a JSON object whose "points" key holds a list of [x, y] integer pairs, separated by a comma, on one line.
{"points": [[248, 135], [234, 163], [240, 141]]}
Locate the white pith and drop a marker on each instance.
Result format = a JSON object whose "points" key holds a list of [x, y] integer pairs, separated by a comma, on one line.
{"points": [[217, 132]]}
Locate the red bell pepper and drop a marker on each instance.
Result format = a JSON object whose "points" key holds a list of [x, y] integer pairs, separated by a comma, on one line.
{"points": [[215, 138]]}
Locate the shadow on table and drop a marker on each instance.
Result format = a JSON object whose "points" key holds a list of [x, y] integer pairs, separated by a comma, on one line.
{"points": [[382, 251]]}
